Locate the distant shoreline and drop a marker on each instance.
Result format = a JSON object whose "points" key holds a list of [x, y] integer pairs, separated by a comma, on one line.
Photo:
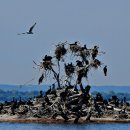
{"points": [[44, 87]]}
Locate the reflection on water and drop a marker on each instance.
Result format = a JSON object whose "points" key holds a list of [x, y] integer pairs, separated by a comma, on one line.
{"points": [[23, 126]]}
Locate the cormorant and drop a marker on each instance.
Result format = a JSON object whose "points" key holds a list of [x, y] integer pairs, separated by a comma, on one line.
{"points": [[76, 120], [105, 70], [21, 102], [88, 116], [48, 91], [40, 79], [53, 86], [75, 88], [79, 63], [75, 43], [40, 95], [47, 100], [84, 47], [95, 52], [64, 116], [47, 58]]}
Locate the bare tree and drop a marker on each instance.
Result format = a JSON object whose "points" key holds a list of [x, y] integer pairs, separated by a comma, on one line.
{"points": [[73, 59]]}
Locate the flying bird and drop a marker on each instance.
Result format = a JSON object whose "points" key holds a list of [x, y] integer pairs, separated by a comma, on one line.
{"points": [[105, 70], [30, 30]]}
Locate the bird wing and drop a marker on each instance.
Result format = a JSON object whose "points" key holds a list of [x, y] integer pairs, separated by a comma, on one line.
{"points": [[20, 33], [30, 30]]}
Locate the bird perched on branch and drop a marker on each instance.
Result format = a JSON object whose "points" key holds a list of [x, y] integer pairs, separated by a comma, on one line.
{"points": [[30, 30], [47, 58], [79, 63], [105, 70], [41, 79]]}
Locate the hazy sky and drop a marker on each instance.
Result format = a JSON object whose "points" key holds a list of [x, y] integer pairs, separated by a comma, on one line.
{"points": [[102, 22]]}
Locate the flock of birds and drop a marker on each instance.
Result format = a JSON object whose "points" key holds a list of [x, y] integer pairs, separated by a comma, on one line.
{"points": [[31, 32]]}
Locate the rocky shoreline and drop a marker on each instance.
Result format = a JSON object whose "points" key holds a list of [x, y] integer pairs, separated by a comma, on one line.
{"points": [[66, 105], [13, 119]]}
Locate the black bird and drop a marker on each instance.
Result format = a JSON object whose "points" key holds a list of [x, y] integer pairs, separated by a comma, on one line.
{"points": [[88, 116], [75, 88], [73, 43], [64, 116], [40, 79], [84, 47], [53, 86], [48, 91], [40, 95], [30, 30], [79, 63], [77, 118], [95, 52], [47, 58], [63, 94], [53, 90], [105, 70], [47, 100], [21, 102]]}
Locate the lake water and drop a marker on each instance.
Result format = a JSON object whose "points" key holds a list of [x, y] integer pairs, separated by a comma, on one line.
{"points": [[31, 126]]}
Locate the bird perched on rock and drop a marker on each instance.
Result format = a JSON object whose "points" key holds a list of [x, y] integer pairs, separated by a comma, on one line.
{"points": [[75, 88], [77, 118], [88, 116], [105, 70], [30, 30], [48, 91], [64, 116]]}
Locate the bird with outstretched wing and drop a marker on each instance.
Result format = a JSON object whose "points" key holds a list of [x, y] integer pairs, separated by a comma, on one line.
{"points": [[30, 30]]}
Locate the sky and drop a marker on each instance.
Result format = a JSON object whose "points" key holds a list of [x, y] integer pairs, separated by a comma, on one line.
{"points": [[102, 22]]}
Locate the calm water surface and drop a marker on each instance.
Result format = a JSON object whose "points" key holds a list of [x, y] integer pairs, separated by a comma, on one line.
{"points": [[23, 126]]}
